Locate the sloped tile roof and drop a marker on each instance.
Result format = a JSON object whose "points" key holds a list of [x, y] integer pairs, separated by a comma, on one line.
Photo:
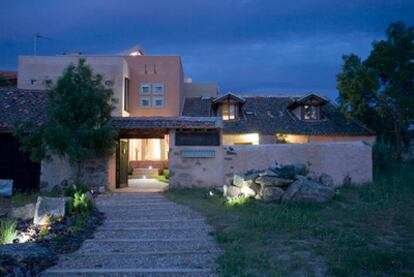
{"points": [[20, 105], [268, 115], [166, 122]]}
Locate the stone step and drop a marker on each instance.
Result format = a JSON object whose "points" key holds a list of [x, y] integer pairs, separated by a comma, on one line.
{"points": [[167, 223], [137, 228], [114, 261], [162, 214], [151, 234], [115, 272], [113, 246], [139, 205]]}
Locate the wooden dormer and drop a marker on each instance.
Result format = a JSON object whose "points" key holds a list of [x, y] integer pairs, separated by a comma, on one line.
{"points": [[308, 107], [228, 106]]}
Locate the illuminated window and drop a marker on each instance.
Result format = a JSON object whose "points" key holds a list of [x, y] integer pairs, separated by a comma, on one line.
{"points": [[229, 111], [310, 112]]}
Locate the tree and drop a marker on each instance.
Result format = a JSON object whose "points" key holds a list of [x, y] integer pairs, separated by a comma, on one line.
{"points": [[380, 90], [4, 82], [78, 120]]}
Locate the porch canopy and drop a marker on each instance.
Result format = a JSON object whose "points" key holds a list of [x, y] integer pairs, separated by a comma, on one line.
{"points": [[157, 127]]}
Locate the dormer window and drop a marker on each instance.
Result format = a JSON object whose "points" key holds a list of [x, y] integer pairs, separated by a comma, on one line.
{"points": [[310, 112], [229, 111], [308, 107], [228, 106]]}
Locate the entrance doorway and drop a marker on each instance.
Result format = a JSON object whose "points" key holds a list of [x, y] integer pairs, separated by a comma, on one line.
{"points": [[142, 163]]}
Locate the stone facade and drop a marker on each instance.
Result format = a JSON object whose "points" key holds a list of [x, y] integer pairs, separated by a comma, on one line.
{"points": [[58, 173]]}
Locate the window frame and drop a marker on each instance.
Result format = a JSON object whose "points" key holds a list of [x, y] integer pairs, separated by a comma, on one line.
{"points": [[154, 91], [154, 99], [126, 94], [145, 85], [305, 111], [145, 98]]}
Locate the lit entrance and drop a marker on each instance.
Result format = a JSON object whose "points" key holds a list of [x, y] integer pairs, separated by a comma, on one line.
{"points": [[142, 163]]}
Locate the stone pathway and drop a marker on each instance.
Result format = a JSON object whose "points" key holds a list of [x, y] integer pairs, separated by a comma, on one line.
{"points": [[144, 234]]}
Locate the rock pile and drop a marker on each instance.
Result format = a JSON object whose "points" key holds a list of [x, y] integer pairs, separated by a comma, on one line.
{"points": [[281, 183]]}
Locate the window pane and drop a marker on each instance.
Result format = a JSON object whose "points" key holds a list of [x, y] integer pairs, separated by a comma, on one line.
{"points": [[158, 88]]}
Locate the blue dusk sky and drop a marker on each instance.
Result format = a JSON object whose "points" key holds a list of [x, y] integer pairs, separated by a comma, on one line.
{"points": [[246, 46]]}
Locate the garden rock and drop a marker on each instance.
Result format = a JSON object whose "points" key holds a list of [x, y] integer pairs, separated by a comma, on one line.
{"points": [[247, 192], [48, 206], [239, 180], [231, 191], [272, 194], [326, 180], [268, 181], [89, 195], [269, 173], [24, 213], [308, 190]]}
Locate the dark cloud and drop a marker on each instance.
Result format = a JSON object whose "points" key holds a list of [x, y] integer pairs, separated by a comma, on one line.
{"points": [[244, 45]]}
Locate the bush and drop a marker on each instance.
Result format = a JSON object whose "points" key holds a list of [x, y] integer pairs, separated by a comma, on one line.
{"points": [[7, 231], [73, 189], [81, 203], [382, 156], [166, 173]]}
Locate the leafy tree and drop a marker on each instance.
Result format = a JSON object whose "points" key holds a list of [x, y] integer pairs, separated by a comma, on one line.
{"points": [[78, 119], [4, 82], [380, 90]]}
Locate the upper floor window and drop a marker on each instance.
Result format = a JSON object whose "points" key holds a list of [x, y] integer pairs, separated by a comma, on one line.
{"points": [[145, 102], [158, 102], [126, 94], [229, 111], [310, 112], [152, 88], [145, 88], [158, 88]]}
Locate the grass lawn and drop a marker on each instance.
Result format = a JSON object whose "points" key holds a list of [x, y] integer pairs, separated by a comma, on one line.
{"points": [[364, 231]]}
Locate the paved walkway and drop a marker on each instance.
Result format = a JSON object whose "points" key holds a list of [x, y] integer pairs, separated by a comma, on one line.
{"points": [[144, 234]]}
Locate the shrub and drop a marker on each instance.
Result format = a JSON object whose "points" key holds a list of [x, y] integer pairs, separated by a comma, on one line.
{"points": [[76, 187], [81, 203], [166, 173], [7, 231], [382, 156]]}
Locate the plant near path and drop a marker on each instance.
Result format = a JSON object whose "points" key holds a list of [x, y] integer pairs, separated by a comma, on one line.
{"points": [[7, 231], [78, 120]]}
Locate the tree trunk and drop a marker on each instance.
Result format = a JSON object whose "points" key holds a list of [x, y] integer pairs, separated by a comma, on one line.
{"points": [[78, 171], [398, 139]]}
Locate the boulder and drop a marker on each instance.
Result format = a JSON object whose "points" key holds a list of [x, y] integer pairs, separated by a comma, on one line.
{"points": [[231, 191], [307, 190], [23, 213], [48, 207], [241, 181], [89, 195], [269, 173], [326, 180], [268, 181], [247, 192], [238, 180], [251, 176], [272, 194]]}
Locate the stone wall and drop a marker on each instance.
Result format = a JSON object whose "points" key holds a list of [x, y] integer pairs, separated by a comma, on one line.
{"points": [[339, 160], [195, 172], [57, 174]]}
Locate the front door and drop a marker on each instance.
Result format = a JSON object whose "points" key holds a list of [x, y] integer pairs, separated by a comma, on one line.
{"points": [[123, 152]]}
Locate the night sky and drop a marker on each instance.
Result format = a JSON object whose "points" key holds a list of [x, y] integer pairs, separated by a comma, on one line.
{"points": [[246, 46]]}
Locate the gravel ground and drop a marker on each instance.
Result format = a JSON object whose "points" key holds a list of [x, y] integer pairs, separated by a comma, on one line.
{"points": [[143, 234]]}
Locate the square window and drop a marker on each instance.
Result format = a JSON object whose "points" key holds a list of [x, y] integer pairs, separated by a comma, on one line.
{"points": [[158, 102], [145, 88], [158, 88], [33, 82], [145, 102]]}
